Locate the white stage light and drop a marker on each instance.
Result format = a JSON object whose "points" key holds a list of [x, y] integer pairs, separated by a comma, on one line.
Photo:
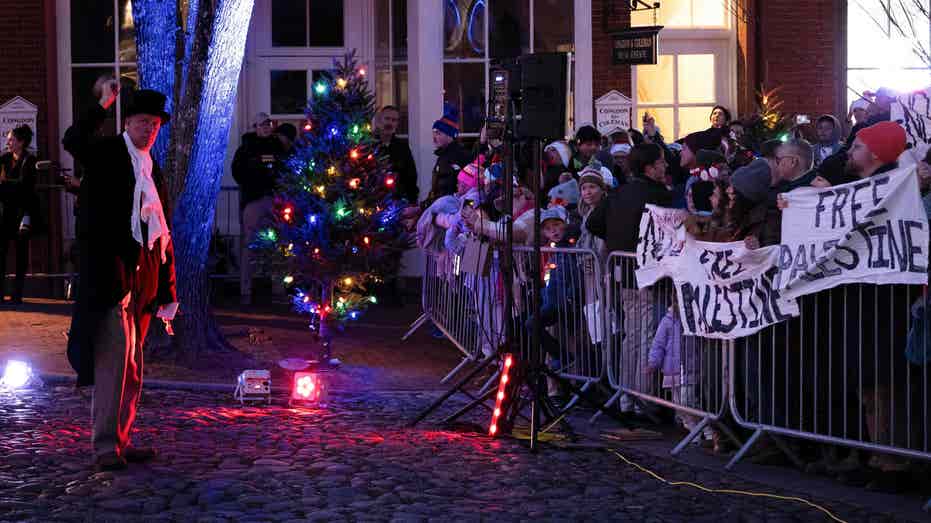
{"points": [[254, 385], [16, 375]]}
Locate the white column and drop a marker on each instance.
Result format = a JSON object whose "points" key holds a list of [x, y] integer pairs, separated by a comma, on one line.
{"points": [[583, 62], [425, 98], [425, 82]]}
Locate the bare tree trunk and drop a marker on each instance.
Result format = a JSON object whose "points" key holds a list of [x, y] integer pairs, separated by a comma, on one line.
{"points": [[199, 69], [202, 138]]}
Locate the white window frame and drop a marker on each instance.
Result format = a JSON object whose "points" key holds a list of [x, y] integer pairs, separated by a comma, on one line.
{"points": [[726, 37], [66, 96]]}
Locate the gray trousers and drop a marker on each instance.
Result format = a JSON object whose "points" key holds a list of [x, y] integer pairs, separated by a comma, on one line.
{"points": [[255, 216], [117, 375]]}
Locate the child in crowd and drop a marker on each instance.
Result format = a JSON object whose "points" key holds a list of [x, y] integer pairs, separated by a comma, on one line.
{"points": [[678, 358]]}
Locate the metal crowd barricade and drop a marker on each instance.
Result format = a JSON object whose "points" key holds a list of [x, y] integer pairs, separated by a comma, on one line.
{"points": [[574, 334], [697, 389], [851, 370], [465, 305]]}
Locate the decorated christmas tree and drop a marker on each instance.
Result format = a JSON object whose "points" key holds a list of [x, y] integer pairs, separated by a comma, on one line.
{"points": [[768, 122], [336, 232]]}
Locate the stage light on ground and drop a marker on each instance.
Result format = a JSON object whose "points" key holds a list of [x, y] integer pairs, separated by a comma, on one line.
{"points": [[254, 385], [16, 375], [307, 388]]}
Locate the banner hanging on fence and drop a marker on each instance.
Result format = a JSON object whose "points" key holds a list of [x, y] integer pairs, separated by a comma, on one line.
{"points": [[724, 290], [869, 231]]}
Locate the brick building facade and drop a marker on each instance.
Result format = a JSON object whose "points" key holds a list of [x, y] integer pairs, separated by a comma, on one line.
{"points": [[798, 46]]}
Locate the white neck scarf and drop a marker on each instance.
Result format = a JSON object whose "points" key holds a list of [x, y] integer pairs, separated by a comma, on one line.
{"points": [[147, 207]]}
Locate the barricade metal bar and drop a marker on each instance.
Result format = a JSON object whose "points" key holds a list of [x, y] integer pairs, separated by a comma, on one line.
{"points": [[688, 373], [866, 388]]}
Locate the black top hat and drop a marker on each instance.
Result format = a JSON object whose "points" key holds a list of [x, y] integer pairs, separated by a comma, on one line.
{"points": [[147, 101]]}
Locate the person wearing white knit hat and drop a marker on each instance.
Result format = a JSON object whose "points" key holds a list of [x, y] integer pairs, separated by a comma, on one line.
{"points": [[620, 151]]}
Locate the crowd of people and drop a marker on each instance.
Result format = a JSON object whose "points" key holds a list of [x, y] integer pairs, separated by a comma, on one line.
{"points": [[594, 190]]}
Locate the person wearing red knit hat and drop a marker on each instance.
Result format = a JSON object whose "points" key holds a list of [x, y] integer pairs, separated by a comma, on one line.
{"points": [[876, 149]]}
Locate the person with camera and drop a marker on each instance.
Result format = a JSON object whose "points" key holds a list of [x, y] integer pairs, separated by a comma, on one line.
{"points": [[18, 206], [255, 169], [127, 264]]}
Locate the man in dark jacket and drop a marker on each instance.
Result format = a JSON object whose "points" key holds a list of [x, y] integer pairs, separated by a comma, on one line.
{"points": [[127, 265], [255, 169], [617, 221], [450, 156], [399, 153]]}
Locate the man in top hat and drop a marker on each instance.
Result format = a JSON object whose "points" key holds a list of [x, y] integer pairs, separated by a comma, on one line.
{"points": [[127, 264]]}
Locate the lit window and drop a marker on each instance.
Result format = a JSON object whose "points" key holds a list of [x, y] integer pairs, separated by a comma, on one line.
{"points": [[684, 13]]}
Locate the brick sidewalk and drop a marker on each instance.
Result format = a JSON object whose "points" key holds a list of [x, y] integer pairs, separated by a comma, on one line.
{"points": [[352, 460]]}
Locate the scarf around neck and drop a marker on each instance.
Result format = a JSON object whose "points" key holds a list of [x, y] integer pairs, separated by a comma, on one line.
{"points": [[147, 206]]}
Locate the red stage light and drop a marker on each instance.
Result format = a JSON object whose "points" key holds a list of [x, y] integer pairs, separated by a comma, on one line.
{"points": [[502, 386], [307, 387], [354, 154], [389, 181]]}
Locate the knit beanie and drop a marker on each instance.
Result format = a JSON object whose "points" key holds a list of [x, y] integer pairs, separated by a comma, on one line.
{"points": [[593, 175], [753, 180], [556, 212], [620, 148], [469, 175], [449, 123], [563, 149], [886, 140], [494, 172], [566, 193]]}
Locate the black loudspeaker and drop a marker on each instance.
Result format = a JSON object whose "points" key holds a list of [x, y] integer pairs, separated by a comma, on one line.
{"points": [[543, 96], [534, 85]]}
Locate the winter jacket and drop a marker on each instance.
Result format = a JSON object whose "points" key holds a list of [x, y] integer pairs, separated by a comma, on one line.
{"points": [[764, 222], [666, 352], [402, 164], [18, 196], [617, 218], [449, 161], [112, 262], [256, 167], [563, 290]]}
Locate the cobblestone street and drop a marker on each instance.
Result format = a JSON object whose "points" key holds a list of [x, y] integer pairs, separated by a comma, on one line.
{"points": [[352, 460]]}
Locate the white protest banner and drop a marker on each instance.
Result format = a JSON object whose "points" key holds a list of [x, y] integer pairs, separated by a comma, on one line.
{"points": [[873, 230], [662, 238], [725, 290], [913, 111]]}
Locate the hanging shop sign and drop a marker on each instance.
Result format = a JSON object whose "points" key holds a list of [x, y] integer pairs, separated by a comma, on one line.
{"points": [[636, 46]]}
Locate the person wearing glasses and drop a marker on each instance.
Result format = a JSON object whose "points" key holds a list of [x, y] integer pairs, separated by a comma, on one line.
{"points": [[794, 160]]}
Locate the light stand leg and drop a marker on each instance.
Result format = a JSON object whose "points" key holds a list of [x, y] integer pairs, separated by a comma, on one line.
{"points": [[424, 318], [617, 395], [458, 387]]}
